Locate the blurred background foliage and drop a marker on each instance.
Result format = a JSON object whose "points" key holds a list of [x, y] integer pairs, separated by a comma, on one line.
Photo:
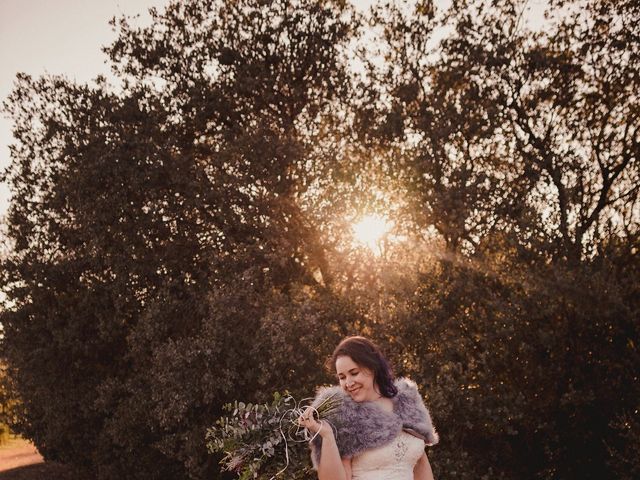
{"points": [[185, 238]]}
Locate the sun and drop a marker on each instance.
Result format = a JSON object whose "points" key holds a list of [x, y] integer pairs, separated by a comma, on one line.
{"points": [[370, 231]]}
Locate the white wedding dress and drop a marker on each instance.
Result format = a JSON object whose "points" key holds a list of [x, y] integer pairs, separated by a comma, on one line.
{"points": [[394, 461]]}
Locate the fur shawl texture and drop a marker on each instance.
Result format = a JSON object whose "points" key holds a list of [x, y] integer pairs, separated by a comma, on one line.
{"points": [[365, 425]]}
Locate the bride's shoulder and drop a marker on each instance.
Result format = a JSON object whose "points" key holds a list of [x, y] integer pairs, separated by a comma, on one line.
{"points": [[406, 386], [408, 397], [412, 409]]}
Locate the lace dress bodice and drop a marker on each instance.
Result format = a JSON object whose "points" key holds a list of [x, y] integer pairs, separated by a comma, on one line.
{"points": [[394, 461]]}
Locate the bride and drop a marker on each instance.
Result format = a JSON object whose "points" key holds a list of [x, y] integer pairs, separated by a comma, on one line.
{"points": [[381, 427]]}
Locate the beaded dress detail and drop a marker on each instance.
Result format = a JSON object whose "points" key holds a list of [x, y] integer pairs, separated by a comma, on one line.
{"points": [[393, 461]]}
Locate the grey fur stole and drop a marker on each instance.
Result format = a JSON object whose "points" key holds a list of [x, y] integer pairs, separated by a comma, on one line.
{"points": [[364, 425]]}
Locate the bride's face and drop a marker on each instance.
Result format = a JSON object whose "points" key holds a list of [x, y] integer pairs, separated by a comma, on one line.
{"points": [[357, 381]]}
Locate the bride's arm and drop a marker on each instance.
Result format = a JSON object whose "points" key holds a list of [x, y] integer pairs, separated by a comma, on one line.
{"points": [[331, 466], [422, 469], [346, 463]]}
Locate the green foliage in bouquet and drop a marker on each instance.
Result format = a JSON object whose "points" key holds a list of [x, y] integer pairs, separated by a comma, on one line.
{"points": [[263, 441]]}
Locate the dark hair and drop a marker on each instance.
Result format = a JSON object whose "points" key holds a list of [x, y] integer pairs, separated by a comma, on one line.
{"points": [[368, 355]]}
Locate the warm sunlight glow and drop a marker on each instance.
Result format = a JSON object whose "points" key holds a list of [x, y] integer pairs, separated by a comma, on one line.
{"points": [[370, 231]]}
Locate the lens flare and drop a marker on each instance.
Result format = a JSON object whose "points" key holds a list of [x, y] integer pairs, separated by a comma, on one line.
{"points": [[370, 231]]}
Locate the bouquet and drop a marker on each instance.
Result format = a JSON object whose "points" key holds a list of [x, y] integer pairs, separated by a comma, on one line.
{"points": [[263, 441]]}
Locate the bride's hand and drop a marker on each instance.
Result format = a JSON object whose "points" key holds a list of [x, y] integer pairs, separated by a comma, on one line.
{"points": [[308, 421]]}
